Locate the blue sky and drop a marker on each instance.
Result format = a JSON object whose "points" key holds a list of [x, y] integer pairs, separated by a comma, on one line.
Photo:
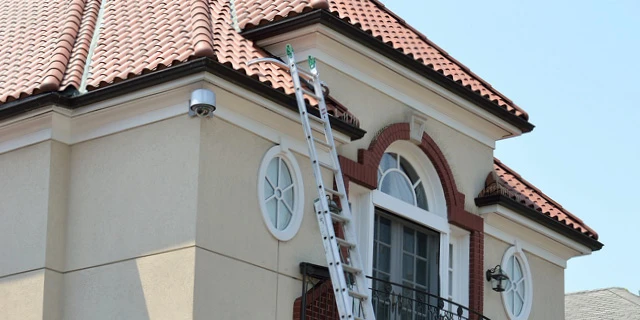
{"points": [[574, 67]]}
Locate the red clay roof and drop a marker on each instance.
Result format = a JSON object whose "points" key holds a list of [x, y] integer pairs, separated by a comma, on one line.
{"points": [[506, 181], [373, 17], [47, 43]]}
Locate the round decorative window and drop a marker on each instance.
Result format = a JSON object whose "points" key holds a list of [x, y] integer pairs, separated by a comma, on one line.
{"points": [[517, 296], [280, 193], [397, 178]]}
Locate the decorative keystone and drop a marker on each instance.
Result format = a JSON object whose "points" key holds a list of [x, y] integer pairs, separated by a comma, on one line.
{"points": [[417, 125]]}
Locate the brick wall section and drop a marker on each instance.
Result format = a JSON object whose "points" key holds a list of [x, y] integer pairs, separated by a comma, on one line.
{"points": [[364, 172], [476, 271], [321, 304]]}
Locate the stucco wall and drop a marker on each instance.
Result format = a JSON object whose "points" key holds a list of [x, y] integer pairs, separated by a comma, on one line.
{"points": [[24, 190], [470, 160], [547, 281], [159, 286], [133, 193], [241, 267]]}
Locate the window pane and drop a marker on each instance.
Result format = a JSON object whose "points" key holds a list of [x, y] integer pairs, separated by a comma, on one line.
{"points": [[421, 272], [408, 170], [517, 305], [407, 267], [285, 175], [272, 210], [421, 197], [517, 270], [385, 230], [384, 259], [396, 184], [422, 245], [284, 216], [287, 196], [272, 171], [268, 190], [408, 240], [388, 161]]}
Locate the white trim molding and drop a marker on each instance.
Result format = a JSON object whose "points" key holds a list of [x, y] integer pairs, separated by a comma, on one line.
{"points": [[517, 218]]}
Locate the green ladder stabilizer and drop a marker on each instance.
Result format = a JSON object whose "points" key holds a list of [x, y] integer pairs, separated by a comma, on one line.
{"points": [[347, 276]]}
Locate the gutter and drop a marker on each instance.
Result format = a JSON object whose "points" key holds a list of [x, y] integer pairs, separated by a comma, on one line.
{"points": [[327, 19], [195, 66], [540, 218]]}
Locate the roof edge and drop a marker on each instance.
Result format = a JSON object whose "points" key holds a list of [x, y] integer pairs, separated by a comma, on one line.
{"points": [[327, 19], [544, 195], [534, 215], [203, 64]]}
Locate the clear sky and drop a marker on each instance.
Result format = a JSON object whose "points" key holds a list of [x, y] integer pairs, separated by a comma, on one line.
{"points": [[574, 66]]}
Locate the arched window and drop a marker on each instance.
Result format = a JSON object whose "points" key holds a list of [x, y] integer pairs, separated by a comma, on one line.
{"points": [[397, 178]]}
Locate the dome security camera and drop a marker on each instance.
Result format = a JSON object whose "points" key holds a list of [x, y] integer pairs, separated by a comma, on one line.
{"points": [[202, 103]]}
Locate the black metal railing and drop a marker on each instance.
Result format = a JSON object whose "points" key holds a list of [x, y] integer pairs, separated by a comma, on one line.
{"points": [[391, 301]]}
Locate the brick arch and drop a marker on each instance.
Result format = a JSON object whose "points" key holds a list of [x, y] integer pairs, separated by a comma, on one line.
{"points": [[364, 172]]}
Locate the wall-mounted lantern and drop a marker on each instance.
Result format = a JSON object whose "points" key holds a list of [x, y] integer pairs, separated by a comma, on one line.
{"points": [[498, 278]]}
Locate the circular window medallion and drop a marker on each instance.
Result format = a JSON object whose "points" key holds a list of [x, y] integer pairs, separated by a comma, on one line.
{"points": [[280, 193], [518, 295]]}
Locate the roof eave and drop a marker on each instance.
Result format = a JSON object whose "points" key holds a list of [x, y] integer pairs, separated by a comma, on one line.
{"points": [[327, 19], [195, 66], [536, 216]]}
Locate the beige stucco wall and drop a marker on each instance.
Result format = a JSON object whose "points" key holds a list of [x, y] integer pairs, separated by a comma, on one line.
{"points": [[133, 193], [159, 286], [547, 281], [24, 190]]}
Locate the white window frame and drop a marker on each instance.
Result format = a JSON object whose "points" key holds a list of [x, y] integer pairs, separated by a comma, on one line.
{"points": [[517, 252], [296, 177], [365, 201]]}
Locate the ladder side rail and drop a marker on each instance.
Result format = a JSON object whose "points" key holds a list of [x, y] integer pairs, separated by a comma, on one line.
{"points": [[349, 228], [331, 245]]}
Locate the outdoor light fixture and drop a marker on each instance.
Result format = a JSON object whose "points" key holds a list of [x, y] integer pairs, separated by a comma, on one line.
{"points": [[498, 278]]}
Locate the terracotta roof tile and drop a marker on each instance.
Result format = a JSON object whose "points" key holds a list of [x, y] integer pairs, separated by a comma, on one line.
{"points": [[507, 182], [373, 17], [51, 41], [37, 38], [73, 75]]}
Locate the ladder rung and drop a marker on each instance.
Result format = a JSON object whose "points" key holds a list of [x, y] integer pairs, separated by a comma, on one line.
{"points": [[322, 143], [328, 166], [334, 192], [318, 119], [339, 218], [345, 243], [351, 269], [311, 94], [358, 295]]}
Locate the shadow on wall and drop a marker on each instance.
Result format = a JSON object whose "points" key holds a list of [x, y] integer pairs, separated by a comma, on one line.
{"points": [[109, 292]]}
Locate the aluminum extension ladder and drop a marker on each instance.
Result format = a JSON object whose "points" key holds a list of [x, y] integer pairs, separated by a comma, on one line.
{"points": [[343, 257]]}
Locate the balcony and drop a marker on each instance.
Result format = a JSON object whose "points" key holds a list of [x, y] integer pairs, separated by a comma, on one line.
{"points": [[391, 301]]}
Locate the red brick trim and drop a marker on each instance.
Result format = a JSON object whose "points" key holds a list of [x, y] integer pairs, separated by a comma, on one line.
{"points": [[365, 173]]}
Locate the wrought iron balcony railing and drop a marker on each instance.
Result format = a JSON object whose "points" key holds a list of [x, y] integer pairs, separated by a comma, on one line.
{"points": [[391, 301]]}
